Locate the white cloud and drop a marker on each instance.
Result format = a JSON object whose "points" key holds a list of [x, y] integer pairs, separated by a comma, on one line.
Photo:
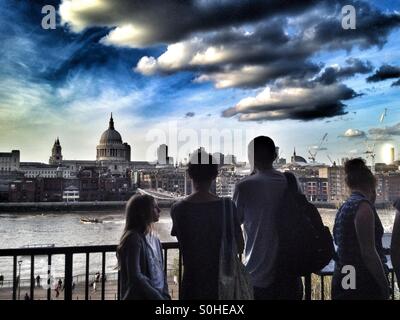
{"points": [[243, 76], [354, 133], [127, 36], [147, 66]]}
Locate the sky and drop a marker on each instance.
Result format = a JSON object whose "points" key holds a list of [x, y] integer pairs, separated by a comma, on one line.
{"points": [[200, 73]]}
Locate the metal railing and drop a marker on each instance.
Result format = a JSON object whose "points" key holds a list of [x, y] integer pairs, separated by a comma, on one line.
{"points": [[69, 279], [328, 271]]}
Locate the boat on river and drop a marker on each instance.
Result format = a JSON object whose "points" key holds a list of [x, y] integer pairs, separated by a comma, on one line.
{"points": [[89, 220]]}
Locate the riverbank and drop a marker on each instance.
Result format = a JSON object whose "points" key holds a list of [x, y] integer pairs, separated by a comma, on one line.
{"points": [[42, 207], [11, 207]]}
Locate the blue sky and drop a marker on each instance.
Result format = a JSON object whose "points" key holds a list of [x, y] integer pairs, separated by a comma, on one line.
{"points": [[199, 66]]}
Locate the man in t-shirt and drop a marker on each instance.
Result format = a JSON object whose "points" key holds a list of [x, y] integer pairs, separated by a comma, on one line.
{"points": [[258, 197]]}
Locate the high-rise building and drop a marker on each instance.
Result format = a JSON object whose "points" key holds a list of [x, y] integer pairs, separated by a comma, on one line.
{"points": [[162, 156], [219, 158], [392, 155]]}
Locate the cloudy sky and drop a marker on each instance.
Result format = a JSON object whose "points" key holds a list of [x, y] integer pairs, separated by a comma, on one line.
{"points": [[239, 68]]}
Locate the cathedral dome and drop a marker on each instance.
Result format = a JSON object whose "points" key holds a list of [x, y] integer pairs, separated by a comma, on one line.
{"points": [[300, 159], [111, 147], [111, 136]]}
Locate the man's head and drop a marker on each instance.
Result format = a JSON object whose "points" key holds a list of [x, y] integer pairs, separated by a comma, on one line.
{"points": [[261, 152]]}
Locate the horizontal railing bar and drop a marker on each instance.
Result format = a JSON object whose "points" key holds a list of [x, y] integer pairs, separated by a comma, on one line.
{"points": [[70, 250]]}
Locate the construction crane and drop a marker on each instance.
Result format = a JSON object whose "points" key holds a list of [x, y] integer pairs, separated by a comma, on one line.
{"points": [[370, 152], [383, 115], [314, 151], [330, 159]]}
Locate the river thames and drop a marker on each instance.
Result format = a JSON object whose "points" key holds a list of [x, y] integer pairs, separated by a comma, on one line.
{"points": [[65, 229]]}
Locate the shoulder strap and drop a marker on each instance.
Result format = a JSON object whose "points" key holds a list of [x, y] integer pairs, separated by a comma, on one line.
{"points": [[228, 228]]}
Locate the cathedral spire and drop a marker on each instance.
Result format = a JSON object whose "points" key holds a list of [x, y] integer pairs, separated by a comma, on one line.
{"points": [[111, 126]]}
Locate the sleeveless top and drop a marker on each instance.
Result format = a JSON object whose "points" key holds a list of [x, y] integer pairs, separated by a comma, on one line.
{"points": [[345, 236]]}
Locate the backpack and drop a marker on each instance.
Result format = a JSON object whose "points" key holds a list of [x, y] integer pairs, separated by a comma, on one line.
{"points": [[305, 244]]}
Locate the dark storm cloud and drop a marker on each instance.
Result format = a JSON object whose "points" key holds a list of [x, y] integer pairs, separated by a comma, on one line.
{"points": [[372, 27], [247, 44], [385, 72], [334, 74], [317, 101], [247, 59], [174, 20]]}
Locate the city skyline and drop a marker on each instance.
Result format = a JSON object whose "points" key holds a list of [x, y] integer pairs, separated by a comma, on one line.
{"points": [[276, 71]]}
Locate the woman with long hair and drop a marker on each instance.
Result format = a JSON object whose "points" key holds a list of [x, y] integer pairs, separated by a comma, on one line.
{"points": [[360, 270], [139, 253]]}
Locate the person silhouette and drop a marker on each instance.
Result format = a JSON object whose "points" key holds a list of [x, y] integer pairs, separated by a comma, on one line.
{"points": [[258, 199]]}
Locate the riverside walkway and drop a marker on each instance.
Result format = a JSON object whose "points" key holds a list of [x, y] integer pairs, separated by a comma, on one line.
{"points": [[78, 293]]}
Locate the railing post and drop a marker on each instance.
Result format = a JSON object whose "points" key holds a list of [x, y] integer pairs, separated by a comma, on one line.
{"points": [[49, 277], [87, 277], [14, 295], [322, 288], [165, 262], [103, 275], [392, 285], [118, 285], [180, 274], [307, 284], [68, 277], [32, 277]]}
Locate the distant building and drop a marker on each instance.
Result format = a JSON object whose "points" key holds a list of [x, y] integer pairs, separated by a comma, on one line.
{"points": [[42, 170], [24, 190], [392, 157], [174, 180], [56, 154], [162, 156], [111, 147], [337, 188], [226, 181], [387, 186], [71, 194], [9, 161], [9, 171], [315, 188], [219, 158], [230, 159], [296, 158]]}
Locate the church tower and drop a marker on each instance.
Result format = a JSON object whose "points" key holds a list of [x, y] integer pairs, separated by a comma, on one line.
{"points": [[56, 155]]}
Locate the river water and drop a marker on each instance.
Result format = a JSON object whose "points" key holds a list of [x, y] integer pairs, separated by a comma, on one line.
{"points": [[65, 229]]}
